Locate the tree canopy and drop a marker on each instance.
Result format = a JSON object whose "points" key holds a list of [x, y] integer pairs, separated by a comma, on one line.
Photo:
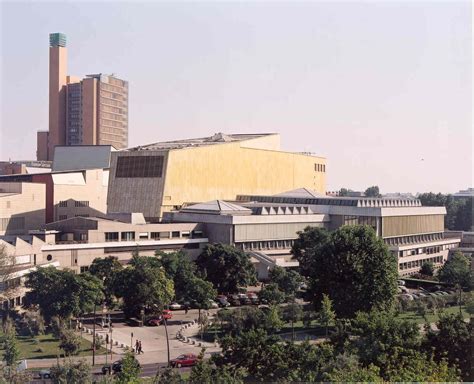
{"points": [[143, 285], [457, 271], [226, 267], [62, 293], [351, 265], [372, 191]]}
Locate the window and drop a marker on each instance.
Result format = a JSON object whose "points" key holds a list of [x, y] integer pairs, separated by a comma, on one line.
{"points": [[128, 236], [175, 234], [185, 234], [62, 217], [111, 236], [81, 204], [82, 215], [191, 246], [84, 269], [155, 235], [197, 234], [139, 166], [63, 203], [143, 235], [49, 257]]}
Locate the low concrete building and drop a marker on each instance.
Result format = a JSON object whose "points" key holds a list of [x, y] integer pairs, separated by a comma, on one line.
{"points": [[79, 240]]}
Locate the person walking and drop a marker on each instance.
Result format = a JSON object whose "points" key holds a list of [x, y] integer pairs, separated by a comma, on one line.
{"points": [[137, 346], [140, 350]]}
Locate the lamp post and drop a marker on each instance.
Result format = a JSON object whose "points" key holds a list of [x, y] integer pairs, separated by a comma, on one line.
{"points": [[167, 340], [93, 335]]}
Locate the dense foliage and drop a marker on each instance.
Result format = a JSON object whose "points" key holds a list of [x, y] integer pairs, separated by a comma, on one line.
{"points": [[226, 267], [143, 285], [351, 265], [62, 293]]}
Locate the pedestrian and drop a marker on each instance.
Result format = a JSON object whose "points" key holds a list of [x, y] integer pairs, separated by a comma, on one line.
{"points": [[140, 350], [137, 345], [186, 309]]}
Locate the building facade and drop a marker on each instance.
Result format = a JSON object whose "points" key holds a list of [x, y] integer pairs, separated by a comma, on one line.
{"points": [[91, 111], [161, 177]]}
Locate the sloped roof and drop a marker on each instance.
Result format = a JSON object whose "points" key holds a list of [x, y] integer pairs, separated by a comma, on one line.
{"points": [[301, 193], [79, 157], [217, 207]]}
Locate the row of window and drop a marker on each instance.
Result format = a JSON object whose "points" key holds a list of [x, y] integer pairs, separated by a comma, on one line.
{"points": [[414, 239], [64, 217], [263, 245], [139, 166], [427, 250], [319, 167], [130, 236], [77, 204], [111, 123], [419, 263]]}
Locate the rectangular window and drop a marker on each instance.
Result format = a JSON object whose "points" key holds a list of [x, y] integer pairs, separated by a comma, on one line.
{"points": [[63, 203], [128, 236], [185, 234], [175, 234], [111, 236], [143, 235], [84, 269], [62, 217], [78, 204], [139, 166], [155, 235]]}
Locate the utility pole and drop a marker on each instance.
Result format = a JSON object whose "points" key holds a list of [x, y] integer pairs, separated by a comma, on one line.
{"points": [[167, 340], [93, 335]]}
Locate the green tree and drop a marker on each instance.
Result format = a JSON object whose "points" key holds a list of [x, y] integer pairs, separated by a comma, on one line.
{"points": [[272, 320], [202, 371], [344, 192], [452, 341], [351, 265], [427, 268], [181, 270], [105, 269], [11, 352], [456, 271], [201, 292], [288, 281], [379, 336], [70, 342], [356, 374], [143, 285], [33, 323], [271, 294], [71, 372], [168, 375], [61, 292], [226, 267], [130, 370], [372, 191], [326, 315]]}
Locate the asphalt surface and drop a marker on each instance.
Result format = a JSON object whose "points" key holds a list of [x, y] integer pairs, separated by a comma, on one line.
{"points": [[147, 370]]}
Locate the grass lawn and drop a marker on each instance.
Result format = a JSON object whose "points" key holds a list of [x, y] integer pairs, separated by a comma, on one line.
{"points": [[413, 316], [29, 347]]}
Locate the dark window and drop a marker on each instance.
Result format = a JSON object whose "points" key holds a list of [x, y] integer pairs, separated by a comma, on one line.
{"points": [[63, 203], [191, 246], [111, 236], [128, 236], [49, 257], [139, 166], [175, 234], [62, 217], [84, 269]]}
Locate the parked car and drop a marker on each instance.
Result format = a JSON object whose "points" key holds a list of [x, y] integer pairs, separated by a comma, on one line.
{"points": [[234, 300], [213, 304], [116, 367], [45, 374], [186, 360], [401, 282], [253, 298], [167, 314], [421, 294], [244, 299], [155, 321], [222, 301], [175, 306], [404, 289]]}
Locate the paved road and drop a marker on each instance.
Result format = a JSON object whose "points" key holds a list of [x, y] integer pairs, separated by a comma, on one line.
{"points": [[148, 370]]}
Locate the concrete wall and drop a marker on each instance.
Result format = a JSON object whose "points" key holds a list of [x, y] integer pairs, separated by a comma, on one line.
{"points": [[90, 185], [276, 231], [23, 209], [412, 225]]}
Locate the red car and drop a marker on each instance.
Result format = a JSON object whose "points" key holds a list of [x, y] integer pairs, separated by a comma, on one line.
{"points": [[166, 314], [187, 360]]}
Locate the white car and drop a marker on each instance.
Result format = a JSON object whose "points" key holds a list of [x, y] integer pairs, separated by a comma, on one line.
{"points": [[175, 306], [213, 304]]}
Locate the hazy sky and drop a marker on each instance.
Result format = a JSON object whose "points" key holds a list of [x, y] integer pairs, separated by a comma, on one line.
{"points": [[375, 87]]}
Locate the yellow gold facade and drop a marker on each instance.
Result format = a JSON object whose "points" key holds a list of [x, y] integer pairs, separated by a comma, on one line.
{"points": [[409, 225]]}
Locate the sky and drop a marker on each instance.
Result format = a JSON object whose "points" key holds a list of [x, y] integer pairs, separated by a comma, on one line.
{"points": [[382, 89]]}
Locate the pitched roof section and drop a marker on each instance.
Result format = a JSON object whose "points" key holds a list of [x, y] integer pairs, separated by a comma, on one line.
{"points": [[301, 193], [218, 207], [217, 138]]}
